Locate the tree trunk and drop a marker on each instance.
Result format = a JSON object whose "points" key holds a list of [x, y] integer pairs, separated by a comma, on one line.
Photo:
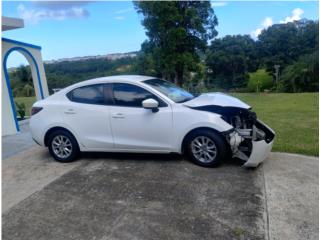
{"points": [[178, 80]]}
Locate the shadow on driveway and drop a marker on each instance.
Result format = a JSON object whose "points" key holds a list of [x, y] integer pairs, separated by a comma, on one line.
{"points": [[142, 196], [147, 157]]}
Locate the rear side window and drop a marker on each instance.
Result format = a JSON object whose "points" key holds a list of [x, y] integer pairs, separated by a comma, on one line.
{"points": [[132, 96], [93, 94]]}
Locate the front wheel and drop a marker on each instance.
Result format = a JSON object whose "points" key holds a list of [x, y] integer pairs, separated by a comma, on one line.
{"points": [[206, 148], [63, 147]]}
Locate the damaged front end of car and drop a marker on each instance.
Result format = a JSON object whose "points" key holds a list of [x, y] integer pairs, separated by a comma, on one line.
{"points": [[250, 139]]}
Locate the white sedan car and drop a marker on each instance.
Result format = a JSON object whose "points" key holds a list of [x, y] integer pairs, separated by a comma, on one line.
{"points": [[148, 115]]}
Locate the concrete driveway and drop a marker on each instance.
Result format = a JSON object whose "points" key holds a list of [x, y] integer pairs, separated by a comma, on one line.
{"points": [[292, 196], [126, 196]]}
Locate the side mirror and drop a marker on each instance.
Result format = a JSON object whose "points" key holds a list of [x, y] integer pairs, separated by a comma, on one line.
{"points": [[152, 104]]}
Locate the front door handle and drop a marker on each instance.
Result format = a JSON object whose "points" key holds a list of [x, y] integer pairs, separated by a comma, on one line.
{"points": [[118, 115]]}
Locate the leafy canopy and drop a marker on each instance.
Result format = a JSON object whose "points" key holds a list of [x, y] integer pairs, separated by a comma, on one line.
{"points": [[177, 31], [229, 59], [302, 75], [282, 44]]}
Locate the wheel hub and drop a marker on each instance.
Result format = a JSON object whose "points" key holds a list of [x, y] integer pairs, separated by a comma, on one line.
{"points": [[61, 146], [204, 149]]}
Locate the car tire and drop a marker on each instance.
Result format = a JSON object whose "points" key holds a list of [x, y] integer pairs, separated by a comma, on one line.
{"points": [[205, 148], [67, 151]]}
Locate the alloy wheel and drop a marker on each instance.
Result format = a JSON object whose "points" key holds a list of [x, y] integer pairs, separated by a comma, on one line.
{"points": [[204, 149], [61, 146]]}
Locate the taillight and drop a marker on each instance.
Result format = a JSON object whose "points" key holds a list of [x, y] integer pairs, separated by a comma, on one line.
{"points": [[35, 110]]}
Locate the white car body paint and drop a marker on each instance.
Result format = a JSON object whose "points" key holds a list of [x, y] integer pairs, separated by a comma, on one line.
{"points": [[186, 119], [136, 128], [217, 99], [112, 128]]}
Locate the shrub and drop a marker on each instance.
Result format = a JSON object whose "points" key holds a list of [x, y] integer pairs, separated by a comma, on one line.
{"points": [[259, 81], [27, 91], [21, 110], [302, 75]]}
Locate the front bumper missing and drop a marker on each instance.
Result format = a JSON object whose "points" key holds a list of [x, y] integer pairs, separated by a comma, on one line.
{"points": [[260, 148]]}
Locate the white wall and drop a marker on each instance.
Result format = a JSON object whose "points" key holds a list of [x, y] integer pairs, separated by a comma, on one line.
{"points": [[8, 122]]}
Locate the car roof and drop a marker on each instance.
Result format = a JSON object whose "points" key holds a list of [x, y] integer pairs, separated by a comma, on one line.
{"points": [[118, 78], [111, 79]]}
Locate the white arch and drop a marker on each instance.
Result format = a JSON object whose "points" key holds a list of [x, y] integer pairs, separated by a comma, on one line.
{"points": [[33, 55]]}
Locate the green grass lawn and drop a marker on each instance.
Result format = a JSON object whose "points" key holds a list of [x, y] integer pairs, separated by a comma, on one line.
{"points": [[28, 101], [293, 116]]}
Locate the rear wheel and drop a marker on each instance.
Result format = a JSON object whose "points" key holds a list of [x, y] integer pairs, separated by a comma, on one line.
{"points": [[63, 147], [206, 148]]}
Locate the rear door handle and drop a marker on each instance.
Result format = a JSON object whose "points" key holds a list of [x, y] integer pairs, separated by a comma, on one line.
{"points": [[118, 115], [70, 111]]}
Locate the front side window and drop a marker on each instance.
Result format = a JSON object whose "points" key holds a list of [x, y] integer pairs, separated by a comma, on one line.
{"points": [[131, 96], [92, 94], [176, 94]]}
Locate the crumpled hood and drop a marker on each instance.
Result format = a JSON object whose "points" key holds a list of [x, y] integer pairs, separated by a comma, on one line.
{"points": [[217, 99]]}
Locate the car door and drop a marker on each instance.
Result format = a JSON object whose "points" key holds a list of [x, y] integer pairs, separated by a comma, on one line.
{"points": [[136, 128], [87, 114]]}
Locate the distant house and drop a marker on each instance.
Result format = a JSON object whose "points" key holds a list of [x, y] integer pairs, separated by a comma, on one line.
{"points": [[32, 53]]}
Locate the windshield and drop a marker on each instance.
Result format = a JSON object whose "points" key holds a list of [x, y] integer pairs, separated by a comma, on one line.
{"points": [[173, 92]]}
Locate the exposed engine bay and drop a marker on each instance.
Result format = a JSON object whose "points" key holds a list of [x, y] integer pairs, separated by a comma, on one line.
{"points": [[246, 130], [250, 140]]}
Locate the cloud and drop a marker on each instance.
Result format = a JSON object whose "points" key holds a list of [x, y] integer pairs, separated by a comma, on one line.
{"points": [[267, 22], [59, 5], [218, 4], [56, 13], [123, 11], [119, 18], [295, 16], [254, 34]]}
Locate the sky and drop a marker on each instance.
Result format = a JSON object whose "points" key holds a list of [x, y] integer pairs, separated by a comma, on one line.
{"points": [[72, 29]]}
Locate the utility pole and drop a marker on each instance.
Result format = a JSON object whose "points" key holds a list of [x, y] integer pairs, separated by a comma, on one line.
{"points": [[209, 71]]}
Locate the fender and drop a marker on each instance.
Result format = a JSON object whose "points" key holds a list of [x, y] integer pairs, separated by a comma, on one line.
{"points": [[65, 126], [221, 128]]}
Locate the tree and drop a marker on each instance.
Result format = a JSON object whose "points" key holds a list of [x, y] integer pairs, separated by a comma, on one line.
{"points": [[230, 59], [24, 74], [283, 44], [176, 31], [28, 90], [302, 75], [147, 61]]}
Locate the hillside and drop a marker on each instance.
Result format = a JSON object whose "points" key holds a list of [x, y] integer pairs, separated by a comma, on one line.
{"points": [[64, 73], [112, 56]]}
